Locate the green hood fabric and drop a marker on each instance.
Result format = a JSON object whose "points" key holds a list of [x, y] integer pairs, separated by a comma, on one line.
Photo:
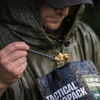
{"points": [[20, 21]]}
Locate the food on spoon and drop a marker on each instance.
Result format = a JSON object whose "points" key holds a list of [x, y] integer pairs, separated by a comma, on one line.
{"points": [[62, 57]]}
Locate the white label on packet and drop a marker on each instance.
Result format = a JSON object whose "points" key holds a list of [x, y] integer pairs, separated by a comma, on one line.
{"points": [[68, 92]]}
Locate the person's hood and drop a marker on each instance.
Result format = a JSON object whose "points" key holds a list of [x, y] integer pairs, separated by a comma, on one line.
{"points": [[22, 19]]}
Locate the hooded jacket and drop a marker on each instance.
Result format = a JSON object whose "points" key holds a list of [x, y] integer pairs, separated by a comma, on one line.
{"points": [[20, 21]]}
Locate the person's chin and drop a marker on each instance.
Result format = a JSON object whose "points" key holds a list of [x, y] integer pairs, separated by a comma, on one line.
{"points": [[53, 26]]}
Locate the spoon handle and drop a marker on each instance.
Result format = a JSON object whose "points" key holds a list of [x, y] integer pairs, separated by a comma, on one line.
{"points": [[44, 55]]}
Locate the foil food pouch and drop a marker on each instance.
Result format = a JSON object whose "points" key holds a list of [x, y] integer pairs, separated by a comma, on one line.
{"points": [[74, 81]]}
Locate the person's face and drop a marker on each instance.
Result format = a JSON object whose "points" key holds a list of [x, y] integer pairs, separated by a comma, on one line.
{"points": [[52, 18]]}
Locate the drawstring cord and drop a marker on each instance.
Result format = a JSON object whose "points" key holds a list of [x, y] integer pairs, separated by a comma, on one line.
{"points": [[62, 41]]}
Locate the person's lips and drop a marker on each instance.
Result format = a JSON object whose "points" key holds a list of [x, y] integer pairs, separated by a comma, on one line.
{"points": [[55, 19]]}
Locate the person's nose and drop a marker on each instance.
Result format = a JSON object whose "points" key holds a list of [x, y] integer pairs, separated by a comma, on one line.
{"points": [[63, 11]]}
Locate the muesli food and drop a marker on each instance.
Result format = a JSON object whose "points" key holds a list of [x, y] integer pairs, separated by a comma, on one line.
{"points": [[62, 57]]}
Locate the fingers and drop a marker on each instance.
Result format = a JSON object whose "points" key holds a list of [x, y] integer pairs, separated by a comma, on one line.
{"points": [[19, 70], [7, 78], [17, 63], [13, 62], [13, 57], [13, 47]]}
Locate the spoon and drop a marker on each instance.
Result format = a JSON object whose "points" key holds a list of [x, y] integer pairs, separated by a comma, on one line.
{"points": [[44, 55]]}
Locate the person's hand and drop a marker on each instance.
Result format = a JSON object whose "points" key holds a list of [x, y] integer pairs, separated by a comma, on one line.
{"points": [[12, 62]]}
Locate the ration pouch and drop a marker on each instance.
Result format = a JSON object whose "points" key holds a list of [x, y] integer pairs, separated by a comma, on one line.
{"points": [[74, 81]]}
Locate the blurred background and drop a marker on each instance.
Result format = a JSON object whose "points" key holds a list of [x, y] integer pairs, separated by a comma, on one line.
{"points": [[91, 16]]}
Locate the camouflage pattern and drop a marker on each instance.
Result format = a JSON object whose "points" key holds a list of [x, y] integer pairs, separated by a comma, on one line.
{"points": [[20, 21]]}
